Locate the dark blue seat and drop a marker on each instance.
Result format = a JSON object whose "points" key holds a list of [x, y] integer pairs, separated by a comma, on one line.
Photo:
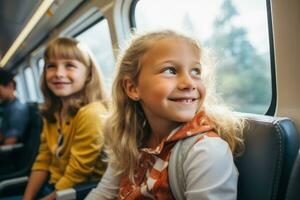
{"points": [[272, 144], [293, 192], [23, 154]]}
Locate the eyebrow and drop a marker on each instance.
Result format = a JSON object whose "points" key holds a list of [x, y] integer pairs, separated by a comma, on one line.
{"points": [[172, 61], [198, 63]]}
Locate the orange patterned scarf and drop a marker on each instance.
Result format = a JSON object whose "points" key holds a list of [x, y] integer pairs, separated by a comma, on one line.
{"points": [[151, 178]]}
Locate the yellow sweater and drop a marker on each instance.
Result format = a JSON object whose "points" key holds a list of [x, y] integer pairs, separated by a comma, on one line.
{"points": [[79, 157]]}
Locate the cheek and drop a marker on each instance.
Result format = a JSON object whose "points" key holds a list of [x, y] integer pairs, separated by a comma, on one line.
{"points": [[47, 76], [82, 74], [76, 74], [203, 91], [80, 79], [154, 91]]}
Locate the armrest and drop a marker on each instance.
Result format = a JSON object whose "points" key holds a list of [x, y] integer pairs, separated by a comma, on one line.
{"points": [[13, 182], [10, 147], [67, 194], [78, 192]]}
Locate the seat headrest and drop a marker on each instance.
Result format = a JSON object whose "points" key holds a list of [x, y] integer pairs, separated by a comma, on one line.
{"points": [[271, 147]]}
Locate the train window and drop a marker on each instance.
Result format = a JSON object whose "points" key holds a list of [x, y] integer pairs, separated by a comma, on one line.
{"points": [[236, 32], [98, 39], [40, 64], [30, 83], [20, 88]]}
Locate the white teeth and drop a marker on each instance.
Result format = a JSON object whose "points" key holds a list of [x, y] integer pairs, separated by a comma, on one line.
{"points": [[186, 100], [183, 100]]}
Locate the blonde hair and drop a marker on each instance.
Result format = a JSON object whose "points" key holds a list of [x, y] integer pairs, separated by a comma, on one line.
{"points": [[125, 130], [69, 48]]}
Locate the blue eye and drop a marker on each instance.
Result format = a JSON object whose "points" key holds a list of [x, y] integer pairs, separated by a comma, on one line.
{"points": [[196, 71], [169, 70]]}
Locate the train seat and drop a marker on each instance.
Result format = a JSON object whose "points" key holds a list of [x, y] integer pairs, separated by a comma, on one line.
{"points": [[272, 144], [265, 167], [23, 154], [293, 191]]}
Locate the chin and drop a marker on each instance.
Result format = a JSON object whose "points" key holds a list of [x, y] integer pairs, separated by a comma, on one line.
{"points": [[59, 94], [183, 119]]}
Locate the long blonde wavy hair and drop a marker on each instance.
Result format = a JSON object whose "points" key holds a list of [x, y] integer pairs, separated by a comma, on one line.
{"points": [[125, 131], [69, 48]]}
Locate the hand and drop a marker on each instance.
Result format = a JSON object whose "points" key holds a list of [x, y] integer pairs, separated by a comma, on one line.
{"points": [[10, 140], [50, 196]]}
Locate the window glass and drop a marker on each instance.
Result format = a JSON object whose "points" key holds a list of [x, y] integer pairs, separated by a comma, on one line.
{"points": [[38, 69], [236, 34], [30, 83], [98, 39], [41, 64], [20, 88]]}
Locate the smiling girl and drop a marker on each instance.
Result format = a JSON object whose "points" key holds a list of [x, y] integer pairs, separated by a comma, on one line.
{"points": [[73, 112], [161, 96]]}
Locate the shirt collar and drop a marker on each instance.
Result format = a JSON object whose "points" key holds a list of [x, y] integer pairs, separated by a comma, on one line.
{"points": [[199, 124]]}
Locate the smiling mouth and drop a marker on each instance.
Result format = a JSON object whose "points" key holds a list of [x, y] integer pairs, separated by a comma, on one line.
{"points": [[183, 100], [60, 83]]}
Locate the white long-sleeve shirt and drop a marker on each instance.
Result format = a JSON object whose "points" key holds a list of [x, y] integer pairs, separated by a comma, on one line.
{"points": [[209, 172]]}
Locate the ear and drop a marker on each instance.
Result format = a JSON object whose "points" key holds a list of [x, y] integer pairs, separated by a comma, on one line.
{"points": [[11, 85], [88, 75], [131, 89]]}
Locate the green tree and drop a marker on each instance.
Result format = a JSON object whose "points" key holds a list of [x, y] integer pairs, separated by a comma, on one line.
{"points": [[243, 74]]}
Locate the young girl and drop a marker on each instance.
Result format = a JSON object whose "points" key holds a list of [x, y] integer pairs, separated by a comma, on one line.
{"points": [[73, 112], [160, 98]]}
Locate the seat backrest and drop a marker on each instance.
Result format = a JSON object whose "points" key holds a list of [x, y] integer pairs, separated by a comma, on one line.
{"points": [[293, 191], [31, 138], [24, 158], [271, 144], [83, 190]]}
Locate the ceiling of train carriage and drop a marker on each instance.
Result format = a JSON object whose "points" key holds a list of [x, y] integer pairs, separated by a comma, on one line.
{"points": [[15, 14]]}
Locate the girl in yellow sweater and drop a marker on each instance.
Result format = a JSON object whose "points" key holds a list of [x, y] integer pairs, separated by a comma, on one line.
{"points": [[73, 112]]}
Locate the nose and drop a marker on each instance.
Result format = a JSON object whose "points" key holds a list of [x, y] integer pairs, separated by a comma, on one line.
{"points": [[60, 71], [186, 82]]}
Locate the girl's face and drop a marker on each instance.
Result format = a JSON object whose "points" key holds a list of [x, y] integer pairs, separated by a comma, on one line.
{"points": [[65, 77], [169, 87]]}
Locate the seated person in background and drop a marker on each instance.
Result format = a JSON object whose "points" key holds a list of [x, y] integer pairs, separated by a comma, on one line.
{"points": [[14, 118], [73, 111]]}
